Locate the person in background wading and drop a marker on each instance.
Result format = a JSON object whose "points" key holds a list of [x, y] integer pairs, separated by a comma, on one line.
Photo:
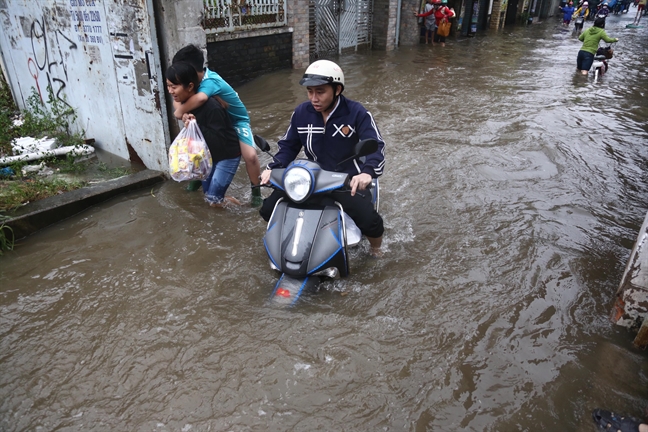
{"points": [[430, 23], [641, 6], [568, 11], [441, 12], [591, 38], [579, 17]]}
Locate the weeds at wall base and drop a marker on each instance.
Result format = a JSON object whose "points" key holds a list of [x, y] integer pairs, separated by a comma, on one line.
{"points": [[15, 193], [53, 119]]}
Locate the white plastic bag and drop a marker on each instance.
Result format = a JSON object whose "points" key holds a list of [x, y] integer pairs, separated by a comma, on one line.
{"points": [[189, 157]]}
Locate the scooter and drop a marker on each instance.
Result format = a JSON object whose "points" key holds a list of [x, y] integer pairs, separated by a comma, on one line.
{"points": [[578, 25], [308, 233], [603, 12], [600, 65]]}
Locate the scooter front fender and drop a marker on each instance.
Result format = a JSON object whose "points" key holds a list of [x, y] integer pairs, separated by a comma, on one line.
{"points": [[289, 289], [300, 242]]}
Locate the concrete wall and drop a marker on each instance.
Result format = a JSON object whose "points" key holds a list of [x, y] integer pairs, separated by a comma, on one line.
{"points": [[496, 16], [97, 57], [631, 304], [179, 24]]}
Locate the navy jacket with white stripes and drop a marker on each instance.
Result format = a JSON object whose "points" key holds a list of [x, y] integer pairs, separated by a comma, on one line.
{"points": [[348, 123]]}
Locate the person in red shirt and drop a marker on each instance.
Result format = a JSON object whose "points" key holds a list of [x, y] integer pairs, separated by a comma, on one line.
{"points": [[441, 12]]}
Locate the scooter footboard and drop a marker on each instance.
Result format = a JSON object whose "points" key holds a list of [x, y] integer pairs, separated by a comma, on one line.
{"points": [[288, 289]]}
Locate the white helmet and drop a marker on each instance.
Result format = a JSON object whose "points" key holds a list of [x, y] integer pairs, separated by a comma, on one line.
{"points": [[322, 72]]}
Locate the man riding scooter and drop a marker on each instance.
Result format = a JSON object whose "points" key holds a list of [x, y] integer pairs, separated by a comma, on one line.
{"points": [[327, 129]]}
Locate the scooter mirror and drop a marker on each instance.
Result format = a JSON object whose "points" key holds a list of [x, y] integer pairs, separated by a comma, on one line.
{"points": [[366, 147], [362, 148], [261, 143]]}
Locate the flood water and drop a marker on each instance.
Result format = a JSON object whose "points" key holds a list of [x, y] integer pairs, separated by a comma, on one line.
{"points": [[512, 196]]}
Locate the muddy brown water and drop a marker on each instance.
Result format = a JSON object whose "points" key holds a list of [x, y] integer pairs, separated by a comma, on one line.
{"points": [[513, 193]]}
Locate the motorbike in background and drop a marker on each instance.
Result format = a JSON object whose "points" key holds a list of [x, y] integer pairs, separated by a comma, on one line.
{"points": [[308, 233], [600, 65], [578, 25], [603, 11]]}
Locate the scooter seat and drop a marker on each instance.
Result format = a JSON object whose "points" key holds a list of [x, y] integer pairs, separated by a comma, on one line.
{"points": [[599, 57]]}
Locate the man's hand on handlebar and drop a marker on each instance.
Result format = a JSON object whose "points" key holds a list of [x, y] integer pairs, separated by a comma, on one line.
{"points": [[265, 177], [359, 182]]}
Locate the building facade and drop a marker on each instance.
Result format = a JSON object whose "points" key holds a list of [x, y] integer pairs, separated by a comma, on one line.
{"points": [[106, 58]]}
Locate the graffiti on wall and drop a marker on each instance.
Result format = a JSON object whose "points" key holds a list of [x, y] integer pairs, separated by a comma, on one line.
{"points": [[48, 49], [51, 47]]}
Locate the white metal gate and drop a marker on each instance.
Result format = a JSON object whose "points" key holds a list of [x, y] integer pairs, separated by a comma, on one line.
{"points": [[337, 25], [98, 56]]}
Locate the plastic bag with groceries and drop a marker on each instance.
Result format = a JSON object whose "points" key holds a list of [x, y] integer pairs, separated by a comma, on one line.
{"points": [[189, 157]]}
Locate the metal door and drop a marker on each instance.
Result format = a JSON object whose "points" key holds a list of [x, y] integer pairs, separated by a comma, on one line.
{"points": [[97, 57], [327, 16], [348, 35], [340, 24], [132, 36], [355, 23]]}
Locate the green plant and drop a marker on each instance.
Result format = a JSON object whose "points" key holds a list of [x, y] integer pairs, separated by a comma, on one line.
{"points": [[8, 109], [15, 193], [67, 165], [54, 119], [6, 243]]}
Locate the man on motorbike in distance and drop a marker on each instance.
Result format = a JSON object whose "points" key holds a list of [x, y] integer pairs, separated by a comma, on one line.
{"points": [[604, 11], [328, 128]]}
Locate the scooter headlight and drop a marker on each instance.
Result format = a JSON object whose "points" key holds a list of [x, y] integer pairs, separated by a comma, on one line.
{"points": [[298, 184]]}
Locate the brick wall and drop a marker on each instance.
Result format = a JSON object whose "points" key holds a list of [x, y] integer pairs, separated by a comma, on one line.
{"points": [[241, 60], [384, 24], [495, 15], [298, 20]]}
